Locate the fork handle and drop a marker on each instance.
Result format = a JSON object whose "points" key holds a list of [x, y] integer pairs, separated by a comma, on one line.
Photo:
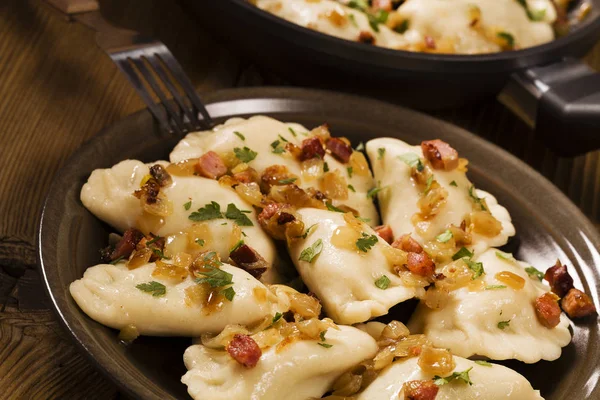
{"points": [[71, 7]]}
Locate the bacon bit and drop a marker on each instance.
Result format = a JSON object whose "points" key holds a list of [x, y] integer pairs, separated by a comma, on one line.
{"points": [[440, 154], [577, 304], [420, 390], [311, 148], [248, 176], [439, 277], [274, 217], [211, 166], [149, 192], [127, 244], [339, 149], [429, 42], [420, 264], [248, 259], [366, 37], [408, 244], [244, 350], [559, 279], [161, 175], [382, 5], [547, 310], [385, 232]]}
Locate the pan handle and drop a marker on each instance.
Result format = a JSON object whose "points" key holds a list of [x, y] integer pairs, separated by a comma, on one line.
{"points": [[561, 101]]}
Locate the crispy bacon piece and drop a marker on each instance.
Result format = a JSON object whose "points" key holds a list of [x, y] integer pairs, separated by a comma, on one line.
{"points": [[248, 176], [339, 149], [311, 148], [244, 350], [408, 244], [123, 249], [382, 5], [440, 154], [366, 37], [385, 232], [547, 309], [274, 217], [420, 264], [149, 192], [420, 390], [210, 165], [577, 304], [161, 175], [248, 259], [559, 279]]}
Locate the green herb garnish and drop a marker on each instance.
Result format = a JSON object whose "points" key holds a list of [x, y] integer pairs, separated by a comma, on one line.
{"points": [[325, 167], [245, 154], [494, 287], [412, 160], [484, 363], [381, 153], [156, 289], [331, 207], [373, 192], [445, 236], [292, 131], [187, 205], [402, 26], [503, 324], [462, 253], [476, 199], [327, 346], [238, 216], [208, 212], [508, 38], [216, 278], [350, 187], [382, 282], [365, 243], [462, 376], [236, 246], [350, 170], [534, 273], [428, 185], [238, 134], [453, 183], [287, 181], [310, 253]]}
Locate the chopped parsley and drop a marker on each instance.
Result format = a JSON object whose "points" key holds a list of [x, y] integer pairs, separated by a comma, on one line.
{"points": [[412, 160], [462, 376], [361, 5], [236, 246], [352, 20], [292, 131], [245, 154], [187, 205], [453, 183], [476, 199], [200, 242], [283, 139], [229, 293], [505, 256], [381, 153], [311, 252], [476, 267], [380, 17], [216, 278], [484, 363], [508, 38], [350, 171], [276, 318], [325, 167], [331, 207], [428, 185], [494, 287], [277, 147], [535, 15], [383, 282], [327, 346], [445, 236], [117, 260], [154, 240], [402, 26], [350, 187], [365, 243], [158, 252], [462, 253], [156, 289], [238, 134], [238, 216], [322, 335], [287, 181], [373, 192], [534, 273], [208, 212], [360, 147], [504, 324], [305, 234]]}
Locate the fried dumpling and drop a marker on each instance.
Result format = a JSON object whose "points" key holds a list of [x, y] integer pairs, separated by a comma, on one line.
{"points": [[299, 370], [494, 316], [263, 142], [438, 206], [349, 268], [109, 194], [489, 382], [117, 297]]}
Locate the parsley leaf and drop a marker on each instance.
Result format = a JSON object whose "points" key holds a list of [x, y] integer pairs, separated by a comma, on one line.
{"points": [[287, 181], [245, 154], [463, 376], [238, 134], [154, 288], [117, 260], [187, 205], [322, 335], [361, 5], [508, 38], [453, 183], [327, 346], [476, 199], [277, 147], [352, 188], [325, 167], [236, 246], [484, 363], [352, 20], [229, 293], [504, 256], [381, 153], [237, 216], [277, 317], [283, 139], [503, 324], [310, 253], [154, 240], [534, 273], [476, 267], [305, 234], [331, 207], [462, 253], [365, 243], [200, 242], [208, 212], [402, 26], [445, 236], [350, 171], [412, 160], [292, 131], [383, 282], [494, 287], [428, 185], [216, 278], [373, 192], [158, 252], [378, 18]]}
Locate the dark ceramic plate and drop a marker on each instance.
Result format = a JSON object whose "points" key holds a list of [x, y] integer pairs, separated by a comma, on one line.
{"points": [[548, 227]]}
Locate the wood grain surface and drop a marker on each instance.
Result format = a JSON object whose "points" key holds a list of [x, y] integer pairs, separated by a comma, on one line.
{"points": [[57, 89]]}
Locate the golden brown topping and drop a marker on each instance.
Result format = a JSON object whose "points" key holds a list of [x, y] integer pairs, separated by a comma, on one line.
{"points": [[312, 147], [420, 264], [547, 310], [274, 217], [430, 204], [436, 298], [420, 390], [170, 271], [139, 258], [578, 304], [334, 185], [276, 175], [248, 175], [559, 279], [408, 244], [510, 279], [440, 154], [161, 175], [293, 195], [337, 18], [244, 350], [339, 149], [183, 168], [366, 37], [211, 166], [304, 305], [385, 232], [129, 333], [248, 259], [436, 361], [485, 224], [127, 244]]}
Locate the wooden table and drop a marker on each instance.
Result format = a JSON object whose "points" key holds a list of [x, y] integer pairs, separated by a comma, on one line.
{"points": [[57, 89]]}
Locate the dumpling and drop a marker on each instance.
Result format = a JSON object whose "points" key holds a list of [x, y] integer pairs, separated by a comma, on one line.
{"points": [[300, 370], [490, 382], [491, 318], [112, 295], [433, 201], [354, 281], [108, 194], [268, 138]]}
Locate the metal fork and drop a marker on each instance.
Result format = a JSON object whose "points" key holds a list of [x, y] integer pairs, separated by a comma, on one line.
{"points": [[143, 61]]}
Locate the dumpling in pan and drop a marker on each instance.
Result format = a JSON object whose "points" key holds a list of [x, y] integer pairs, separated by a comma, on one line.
{"points": [[195, 214], [489, 382], [349, 268], [503, 314], [308, 159], [425, 192], [296, 369], [170, 302]]}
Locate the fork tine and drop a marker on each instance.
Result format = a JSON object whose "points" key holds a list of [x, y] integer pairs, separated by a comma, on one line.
{"points": [[179, 74], [133, 78], [175, 116], [159, 69]]}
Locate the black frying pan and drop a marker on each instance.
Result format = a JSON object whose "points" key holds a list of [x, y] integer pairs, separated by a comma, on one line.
{"points": [[546, 85]]}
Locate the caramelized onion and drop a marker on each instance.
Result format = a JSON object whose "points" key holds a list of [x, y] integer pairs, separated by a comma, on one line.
{"points": [[485, 224], [510, 279], [436, 361]]}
